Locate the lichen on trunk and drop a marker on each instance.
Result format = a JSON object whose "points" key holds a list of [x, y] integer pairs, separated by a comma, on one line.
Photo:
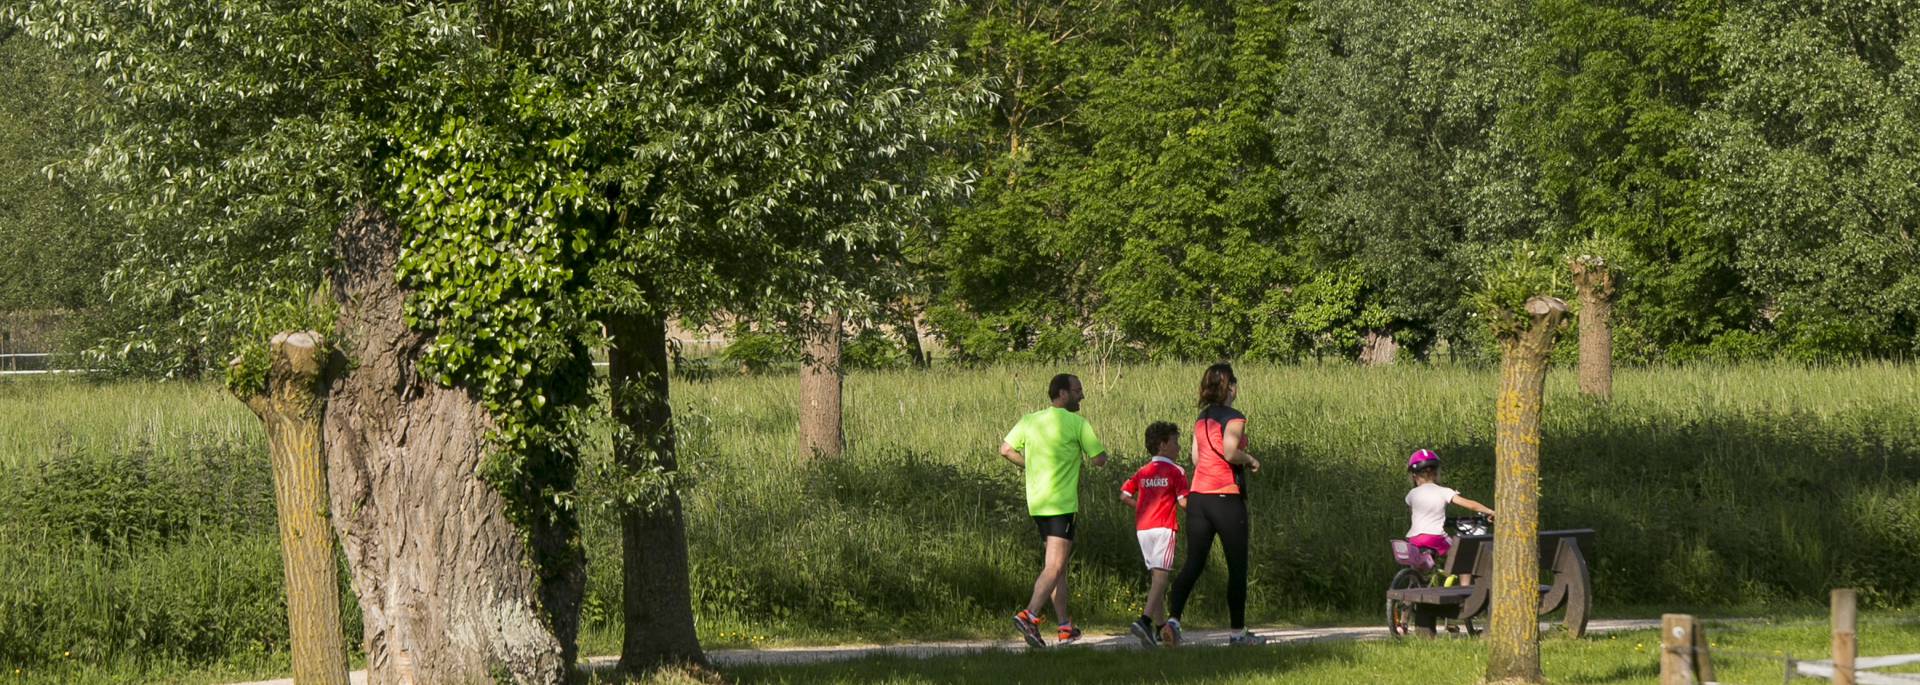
{"points": [[1513, 632], [291, 404]]}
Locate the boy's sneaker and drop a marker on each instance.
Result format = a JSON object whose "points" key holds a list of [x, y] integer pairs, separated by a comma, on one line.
{"points": [[1029, 627], [1144, 631], [1246, 637], [1170, 632], [1069, 634]]}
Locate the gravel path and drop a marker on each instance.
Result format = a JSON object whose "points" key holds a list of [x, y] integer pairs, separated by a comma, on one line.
{"points": [[790, 656]]}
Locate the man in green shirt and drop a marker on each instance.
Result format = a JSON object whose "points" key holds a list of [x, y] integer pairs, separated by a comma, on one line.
{"points": [[1048, 444]]}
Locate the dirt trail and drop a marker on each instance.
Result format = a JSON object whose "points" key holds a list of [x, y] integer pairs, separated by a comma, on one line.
{"points": [[791, 656]]}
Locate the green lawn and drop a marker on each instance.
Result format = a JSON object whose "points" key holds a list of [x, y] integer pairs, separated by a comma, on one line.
{"points": [[139, 526]]}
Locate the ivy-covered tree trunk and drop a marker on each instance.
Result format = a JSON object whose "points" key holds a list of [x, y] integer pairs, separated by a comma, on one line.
{"points": [[1593, 283], [657, 600], [291, 405], [1513, 632], [821, 381], [446, 590]]}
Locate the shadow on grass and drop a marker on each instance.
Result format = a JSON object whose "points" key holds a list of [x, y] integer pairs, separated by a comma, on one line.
{"points": [[1063, 666]]}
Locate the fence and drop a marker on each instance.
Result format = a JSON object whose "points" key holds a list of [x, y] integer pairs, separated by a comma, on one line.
{"points": [[1685, 657]]}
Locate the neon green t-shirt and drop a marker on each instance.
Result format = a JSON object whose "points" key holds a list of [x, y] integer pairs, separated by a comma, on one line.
{"points": [[1053, 440]]}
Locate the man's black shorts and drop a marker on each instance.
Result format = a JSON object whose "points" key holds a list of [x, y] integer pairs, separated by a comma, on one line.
{"points": [[1057, 526]]}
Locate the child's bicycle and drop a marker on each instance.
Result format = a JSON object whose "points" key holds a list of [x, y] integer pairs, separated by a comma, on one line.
{"points": [[1420, 570]]}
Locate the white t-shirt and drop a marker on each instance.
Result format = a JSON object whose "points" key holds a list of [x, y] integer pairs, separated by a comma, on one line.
{"points": [[1429, 506]]}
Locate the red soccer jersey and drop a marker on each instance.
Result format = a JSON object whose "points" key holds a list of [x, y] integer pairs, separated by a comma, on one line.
{"points": [[1156, 489]]}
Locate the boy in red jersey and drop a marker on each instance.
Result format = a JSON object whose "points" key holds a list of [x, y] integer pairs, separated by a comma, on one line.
{"points": [[1152, 492]]}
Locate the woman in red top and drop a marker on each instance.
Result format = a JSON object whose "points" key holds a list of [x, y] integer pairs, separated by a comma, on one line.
{"points": [[1217, 505]]}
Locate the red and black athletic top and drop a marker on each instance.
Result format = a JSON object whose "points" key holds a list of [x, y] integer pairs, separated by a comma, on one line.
{"points": [[1212, 475]]}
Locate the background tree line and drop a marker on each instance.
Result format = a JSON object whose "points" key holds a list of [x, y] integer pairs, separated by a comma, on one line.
{"points": [[1314, 179]]}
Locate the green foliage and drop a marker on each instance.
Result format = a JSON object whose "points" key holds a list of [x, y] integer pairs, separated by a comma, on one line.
{"points": [[751, 350], [1509, 280], [1810, 153]]}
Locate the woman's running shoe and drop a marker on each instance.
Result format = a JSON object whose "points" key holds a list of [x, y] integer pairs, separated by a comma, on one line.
{"points": [[1144, 631], [1068, 635], [1170, 633], [1029, 627], [1246, 637]]}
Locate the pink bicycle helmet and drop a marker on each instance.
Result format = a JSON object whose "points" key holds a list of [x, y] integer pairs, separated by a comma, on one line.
{"points": [[1422, 459]]}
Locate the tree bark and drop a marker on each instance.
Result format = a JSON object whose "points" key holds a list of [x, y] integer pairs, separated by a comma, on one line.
{"points": [[657, 600], [821, 380], [1513, 632], [909, 329], [292, 406], [446, 588], [1378, 348], [1593, 281]]}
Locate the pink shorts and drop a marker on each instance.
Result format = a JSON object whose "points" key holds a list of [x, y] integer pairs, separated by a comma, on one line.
{"points": [[1438, 543]]}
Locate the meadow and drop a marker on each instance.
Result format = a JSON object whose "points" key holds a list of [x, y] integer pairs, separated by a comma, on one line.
{"points": [[138, 525]]}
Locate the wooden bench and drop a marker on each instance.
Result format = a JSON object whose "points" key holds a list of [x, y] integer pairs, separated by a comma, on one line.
{"points": [[1562, 552]]}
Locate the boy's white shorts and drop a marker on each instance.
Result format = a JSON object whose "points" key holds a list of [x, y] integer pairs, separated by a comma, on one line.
{"points": [[1156, 547]]}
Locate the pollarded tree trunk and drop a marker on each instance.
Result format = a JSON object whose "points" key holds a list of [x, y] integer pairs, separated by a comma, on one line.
{"points": [[291, 407], [1378, 348], [1513, 633], [657, 600], [1593, 282], [821, 379], [446, 588]]}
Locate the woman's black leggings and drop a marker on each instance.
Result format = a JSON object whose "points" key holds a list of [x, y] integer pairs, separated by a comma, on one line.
{"points": [[1207, 516]]}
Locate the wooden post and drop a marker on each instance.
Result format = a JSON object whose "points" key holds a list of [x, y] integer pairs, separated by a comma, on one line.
{"points": [[1678, 665], [1844, 645], [291, 407]]}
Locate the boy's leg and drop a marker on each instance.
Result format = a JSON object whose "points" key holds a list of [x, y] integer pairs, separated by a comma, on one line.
{"points": [[1156, 595]]}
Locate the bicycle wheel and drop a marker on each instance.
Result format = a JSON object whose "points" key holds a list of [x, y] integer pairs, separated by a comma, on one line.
{"points": [[1399, 613]]}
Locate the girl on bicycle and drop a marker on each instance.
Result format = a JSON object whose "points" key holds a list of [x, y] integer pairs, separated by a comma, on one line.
{"points": [[1427, 502]]}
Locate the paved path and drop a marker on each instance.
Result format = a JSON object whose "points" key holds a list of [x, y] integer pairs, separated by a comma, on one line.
{"points": [[792, 656]]}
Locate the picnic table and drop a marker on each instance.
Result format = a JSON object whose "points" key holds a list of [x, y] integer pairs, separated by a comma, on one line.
{"points": [[1561, 551]]}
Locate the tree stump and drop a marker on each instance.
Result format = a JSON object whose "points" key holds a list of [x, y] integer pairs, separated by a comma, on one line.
{"points": [[292, 407], [1513, 632], [1593, 284]]}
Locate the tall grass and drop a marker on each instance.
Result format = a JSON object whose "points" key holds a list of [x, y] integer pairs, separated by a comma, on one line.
{"points": [[1746, 486]]}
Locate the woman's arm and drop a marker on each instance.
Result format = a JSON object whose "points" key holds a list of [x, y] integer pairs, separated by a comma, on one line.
{"points": [[1236, 435], [1470, 504]]}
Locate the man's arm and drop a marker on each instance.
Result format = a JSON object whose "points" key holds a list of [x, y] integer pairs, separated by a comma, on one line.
{"points": [[1013, 455]]}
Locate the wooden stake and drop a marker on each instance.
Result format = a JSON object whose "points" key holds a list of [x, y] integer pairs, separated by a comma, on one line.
{"points": [[1678, 664], [1844, 645]]}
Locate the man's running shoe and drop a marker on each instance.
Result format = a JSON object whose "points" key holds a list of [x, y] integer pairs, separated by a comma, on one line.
{"points": [[1246, 637], [1170, 633], [1029, 627], [1144, 631], [1068, 635]]}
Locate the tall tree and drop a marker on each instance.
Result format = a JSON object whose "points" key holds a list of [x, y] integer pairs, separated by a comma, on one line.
{"points": [[1608, 129], [1394, 161], [482, 183], [1811, 153]]}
